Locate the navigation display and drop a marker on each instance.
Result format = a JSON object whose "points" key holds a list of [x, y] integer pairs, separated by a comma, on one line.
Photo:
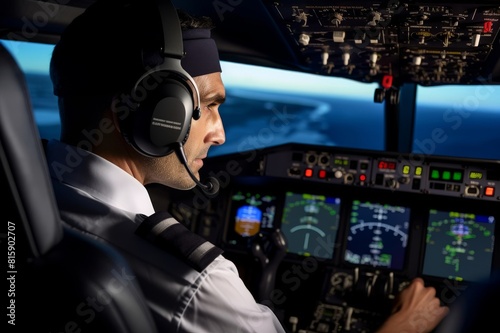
{"points": [[310, 224], [378, 235], [459, 246]]}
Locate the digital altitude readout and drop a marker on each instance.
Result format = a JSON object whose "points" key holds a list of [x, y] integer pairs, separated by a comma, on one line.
{"points": [[386, 165]]}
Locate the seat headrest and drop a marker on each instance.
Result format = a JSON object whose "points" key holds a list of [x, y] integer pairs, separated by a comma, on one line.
{"points": [[23, 160]]}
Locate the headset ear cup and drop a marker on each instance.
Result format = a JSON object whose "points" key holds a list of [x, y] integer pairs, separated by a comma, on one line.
{"points": [[163, 116]]}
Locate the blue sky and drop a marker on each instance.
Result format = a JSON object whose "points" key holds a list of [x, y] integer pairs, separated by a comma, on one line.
{"points": [[31, 57], [293, 82]]}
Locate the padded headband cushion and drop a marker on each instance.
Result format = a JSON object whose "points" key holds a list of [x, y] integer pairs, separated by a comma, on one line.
{"points": [[201, 54]]}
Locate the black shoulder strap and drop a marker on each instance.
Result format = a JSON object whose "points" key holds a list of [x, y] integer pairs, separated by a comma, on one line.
{"points": [[164, 231]]}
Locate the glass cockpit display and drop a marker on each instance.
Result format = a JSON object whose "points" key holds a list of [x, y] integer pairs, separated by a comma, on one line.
{"points": [[251, 212], [459, 246], [310, 223], [378, 235]]}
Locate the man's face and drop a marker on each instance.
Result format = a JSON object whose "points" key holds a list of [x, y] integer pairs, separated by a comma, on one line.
{"points": [[205, 132]]}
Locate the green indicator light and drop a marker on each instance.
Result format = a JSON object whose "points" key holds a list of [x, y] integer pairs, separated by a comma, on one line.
{"points": [[446, 175], [418, 171], [406, 169], [475, 175], [435, 174], [457, 175]]}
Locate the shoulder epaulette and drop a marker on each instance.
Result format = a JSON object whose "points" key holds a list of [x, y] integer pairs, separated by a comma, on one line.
{"points": [[164, 231]]}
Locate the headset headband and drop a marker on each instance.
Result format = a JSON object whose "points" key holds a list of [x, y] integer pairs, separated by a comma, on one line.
{"points": [[172, 45]]}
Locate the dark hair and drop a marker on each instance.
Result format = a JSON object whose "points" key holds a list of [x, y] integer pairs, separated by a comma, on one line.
{"points": [[102, 53], [190, 22]]}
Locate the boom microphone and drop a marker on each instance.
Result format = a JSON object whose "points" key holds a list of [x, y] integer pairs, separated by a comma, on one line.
{"points": [[211, 187]]}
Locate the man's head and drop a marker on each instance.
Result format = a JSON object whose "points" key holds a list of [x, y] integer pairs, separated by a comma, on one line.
{"points": [[114, 72]]}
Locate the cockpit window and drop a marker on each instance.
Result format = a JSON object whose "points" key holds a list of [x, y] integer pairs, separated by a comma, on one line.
{"points": [[458, 121], [34, 60], [264, 107], [267, 107]]}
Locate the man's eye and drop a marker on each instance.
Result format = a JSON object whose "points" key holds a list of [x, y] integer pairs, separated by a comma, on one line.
{"points": [[211, 106]]}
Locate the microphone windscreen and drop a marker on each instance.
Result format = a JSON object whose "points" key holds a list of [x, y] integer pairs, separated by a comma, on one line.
{"points": [[212, 186]]}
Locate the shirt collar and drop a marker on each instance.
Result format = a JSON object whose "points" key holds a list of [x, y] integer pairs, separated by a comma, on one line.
{"points": [[97, 177]]}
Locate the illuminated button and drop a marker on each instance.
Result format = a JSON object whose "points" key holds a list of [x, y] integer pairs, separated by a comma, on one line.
{"points": [[487, 27], [406, 169], [308, 172], [362, 177], [457, 175], [418, 171], [338, 174], [489, 191], [475, 175], [387, 81], [435, 174], [322, 174], [446, 175]]}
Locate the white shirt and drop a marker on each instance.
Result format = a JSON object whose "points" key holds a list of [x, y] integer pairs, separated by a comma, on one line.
{"points": [[103, 200]]}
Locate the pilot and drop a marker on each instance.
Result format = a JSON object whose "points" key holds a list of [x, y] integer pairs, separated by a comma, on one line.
{"points": [[126, 109]]}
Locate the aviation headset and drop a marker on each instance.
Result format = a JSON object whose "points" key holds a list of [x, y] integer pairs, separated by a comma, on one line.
{"points": [[166, 96]]}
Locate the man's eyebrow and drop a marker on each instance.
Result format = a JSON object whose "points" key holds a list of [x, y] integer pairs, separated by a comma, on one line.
{"points": [[215, 98]]}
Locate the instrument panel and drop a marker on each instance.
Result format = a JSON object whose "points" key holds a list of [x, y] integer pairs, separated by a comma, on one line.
{"points": [[358, 226], [415, 173], [424, 42]]}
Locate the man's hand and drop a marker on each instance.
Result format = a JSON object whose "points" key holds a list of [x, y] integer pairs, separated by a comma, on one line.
{"points": [[417, 310]]}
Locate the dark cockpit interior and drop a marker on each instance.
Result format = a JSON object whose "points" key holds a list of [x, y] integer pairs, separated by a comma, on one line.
{"points": [[327, 235]]}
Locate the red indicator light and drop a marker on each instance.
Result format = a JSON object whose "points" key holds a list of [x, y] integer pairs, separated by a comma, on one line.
{"points": [[308, 173], [322, 174], [362, 177], [487, 27], [387, 81], [387, 165], [489, 191]]}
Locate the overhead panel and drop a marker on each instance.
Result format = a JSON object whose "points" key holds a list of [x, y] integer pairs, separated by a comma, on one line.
{"points": [[391, 42]]}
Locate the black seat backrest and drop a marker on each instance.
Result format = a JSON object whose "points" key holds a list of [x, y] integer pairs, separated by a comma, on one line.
{"points": [[59, 280]]}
